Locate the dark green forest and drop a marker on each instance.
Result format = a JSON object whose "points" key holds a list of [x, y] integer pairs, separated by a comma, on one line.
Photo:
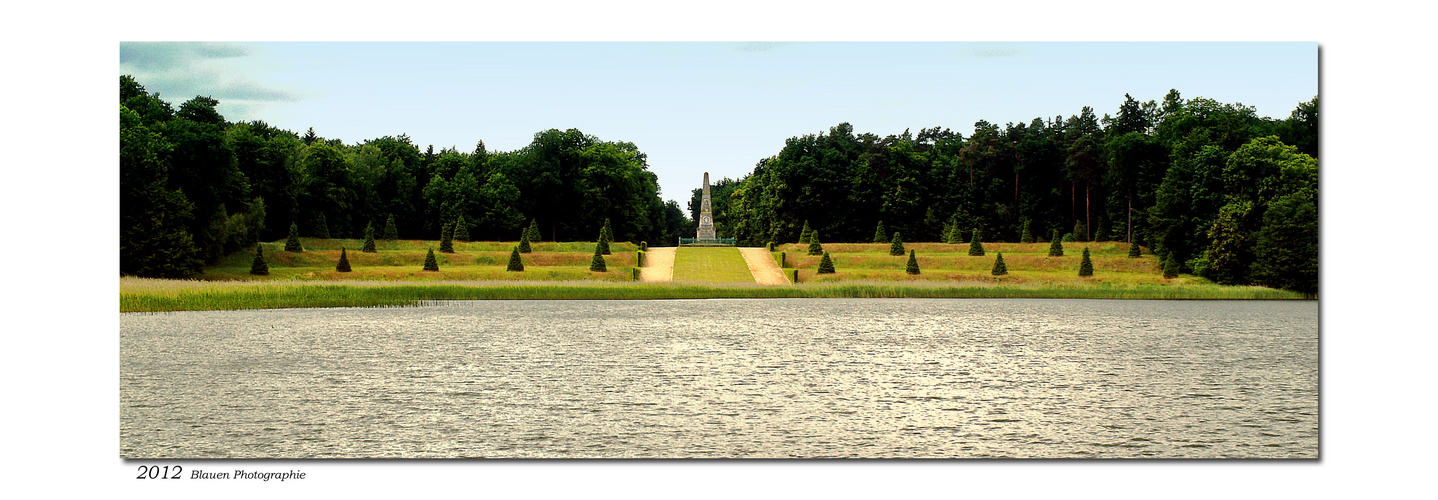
{"points": [[1231, 196], [195, 187]]}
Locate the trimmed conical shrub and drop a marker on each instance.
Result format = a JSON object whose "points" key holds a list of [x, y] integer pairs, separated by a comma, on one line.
{"points": [[814, 247], [391, 232], [369, 240], [322, 228], [976, 248], [523, 242], [533, 231], [804, 234], [1080, 232], [1056, 246], [913, 266], [344, 264], [879, 233], [292, 244], [259, 267], [605, 236], [1134, 251], [446, 238], [1026, 237], [826, 265], [514, 263], [597, 263], [1170, 266], [461, 229], [896, 246], [429, 263], [999, 268], [1086, 265], [955, 236]]}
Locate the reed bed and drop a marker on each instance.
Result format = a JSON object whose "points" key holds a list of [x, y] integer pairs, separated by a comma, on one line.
{"points": [[151, 295]]}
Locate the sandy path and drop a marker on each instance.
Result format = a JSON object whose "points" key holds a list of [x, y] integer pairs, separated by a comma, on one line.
{"points": [[762, 266], [661, 265]]}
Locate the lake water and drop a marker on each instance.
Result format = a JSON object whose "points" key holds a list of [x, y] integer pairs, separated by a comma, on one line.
{"points": [[763, 378]]}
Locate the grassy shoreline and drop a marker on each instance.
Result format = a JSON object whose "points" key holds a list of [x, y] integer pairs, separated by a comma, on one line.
{"points": [[156, 295]]}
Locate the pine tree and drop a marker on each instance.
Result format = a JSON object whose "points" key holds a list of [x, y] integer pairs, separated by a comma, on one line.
{"points": [[976, 248], [1170, 266], [429, 263], [533, 230], [523, 242], [514, 263], [814, 247], [1056, 246], [804, 234], [896, 246], [955, 235], [597, 264], [1086, 265], [446, 238], [826, 265], [607, 232], [1080, 232], [461, 229], [292, 244], [369, 240], [999, 268], [1027, 237], [879, 233], [322, 228], [1133, 251], [259, 267], [344, 264], [913, 266], [603, 245], [391, 233]]}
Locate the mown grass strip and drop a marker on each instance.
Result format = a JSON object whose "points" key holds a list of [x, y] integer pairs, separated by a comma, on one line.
{"points": [[711, 265]]}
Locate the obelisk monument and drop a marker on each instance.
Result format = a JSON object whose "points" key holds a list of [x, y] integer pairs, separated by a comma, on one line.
{"points": [[706, 215]]}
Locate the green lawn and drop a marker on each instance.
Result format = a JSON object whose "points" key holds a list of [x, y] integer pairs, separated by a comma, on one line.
{"points": [[711, 265]]}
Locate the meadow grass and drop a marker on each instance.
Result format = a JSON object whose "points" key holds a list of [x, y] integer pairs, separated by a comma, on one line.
{"points": [[711, 265]]}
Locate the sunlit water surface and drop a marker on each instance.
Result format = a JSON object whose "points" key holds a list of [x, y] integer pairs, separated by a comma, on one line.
{"points": [[767, 378]]}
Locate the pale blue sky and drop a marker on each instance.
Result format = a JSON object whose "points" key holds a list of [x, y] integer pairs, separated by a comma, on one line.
{"points": [[696, 107]]}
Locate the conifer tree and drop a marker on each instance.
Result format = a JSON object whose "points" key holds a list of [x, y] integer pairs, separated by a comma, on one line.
{"points": [[461, 229], [1026, 237], [446, 238], [607, 232], [429, 263], [976, 248], [1080, 232], [514, 263], [523, 242], [603, 245], [1086, 265], [896, 246], [292, 244], [532, 231], [814, 247], [344, 264], [259, 267], [955, 235], [999, 268], [1134, 251], [804, 234], [826, 265], [879, 233], [391, 233], [913, 266], [597, 264], [1170, 266], [322, 228], [369, 240], [1056, 246]]}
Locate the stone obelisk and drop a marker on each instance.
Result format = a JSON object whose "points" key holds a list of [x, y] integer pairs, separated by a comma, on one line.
{"points": [[706, 215]]}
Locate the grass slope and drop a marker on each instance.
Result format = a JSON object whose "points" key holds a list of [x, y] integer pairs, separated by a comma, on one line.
{"points": [[711, 265]]}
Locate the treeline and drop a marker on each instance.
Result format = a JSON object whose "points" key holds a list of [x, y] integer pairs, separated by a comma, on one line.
{"points": [[195, 187], [1225, 193]]}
